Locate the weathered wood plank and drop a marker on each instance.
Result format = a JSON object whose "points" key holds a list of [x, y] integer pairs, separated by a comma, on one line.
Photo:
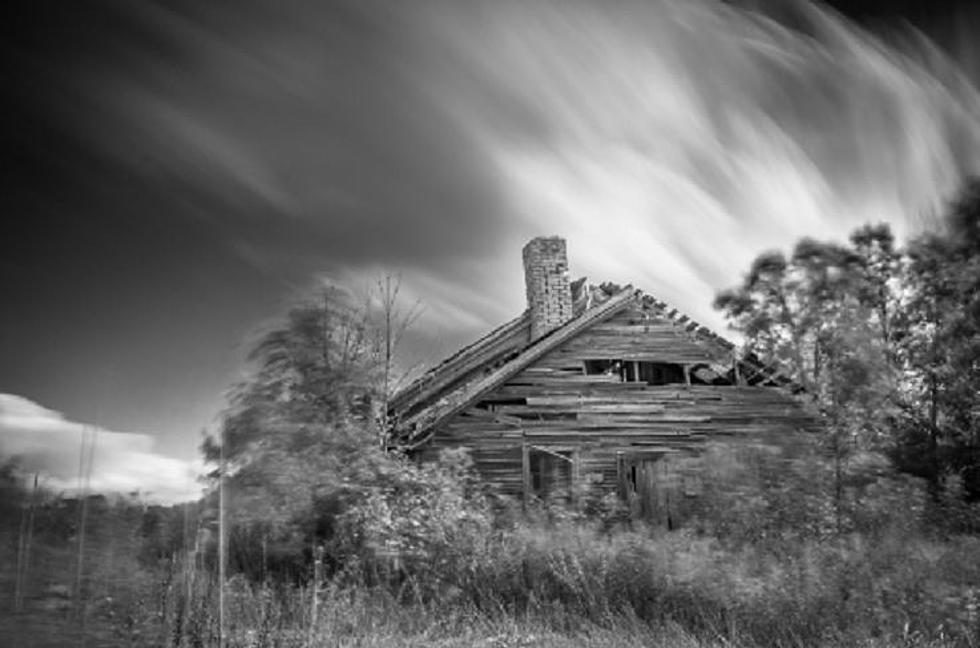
{"points": [[624, 407], [564, 387]]}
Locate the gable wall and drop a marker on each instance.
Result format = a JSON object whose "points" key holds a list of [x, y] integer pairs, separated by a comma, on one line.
{"points": [[634, 334]]}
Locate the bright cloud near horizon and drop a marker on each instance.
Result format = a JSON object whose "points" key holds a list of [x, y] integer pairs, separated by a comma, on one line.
{"points": [[194, 165], [44, 441]]}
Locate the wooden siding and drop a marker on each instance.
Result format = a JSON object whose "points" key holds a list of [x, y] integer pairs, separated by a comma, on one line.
{"points": [[636, 334], [552, 404]]}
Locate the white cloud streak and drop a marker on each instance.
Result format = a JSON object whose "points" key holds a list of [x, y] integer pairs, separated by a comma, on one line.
{"points": [[678, 139], [670, 141], [122, 462]]}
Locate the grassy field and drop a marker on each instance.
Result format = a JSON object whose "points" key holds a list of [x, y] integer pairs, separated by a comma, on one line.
{"points": [[564, 584]]}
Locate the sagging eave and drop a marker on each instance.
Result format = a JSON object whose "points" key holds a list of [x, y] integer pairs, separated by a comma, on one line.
{"points": [[452, 368]]}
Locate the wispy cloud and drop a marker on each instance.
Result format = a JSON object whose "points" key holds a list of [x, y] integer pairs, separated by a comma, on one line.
{"points": [[674, 140], [122, 462], [670, 141]]}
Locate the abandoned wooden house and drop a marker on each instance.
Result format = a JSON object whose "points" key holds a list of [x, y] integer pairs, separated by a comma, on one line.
{"points": [[595, 390]]}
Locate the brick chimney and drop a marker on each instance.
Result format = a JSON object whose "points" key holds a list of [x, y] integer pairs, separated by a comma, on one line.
{"points": [[549, 296]]}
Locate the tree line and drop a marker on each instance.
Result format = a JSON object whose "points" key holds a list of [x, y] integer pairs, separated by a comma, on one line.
{"points": [[883, 339]]}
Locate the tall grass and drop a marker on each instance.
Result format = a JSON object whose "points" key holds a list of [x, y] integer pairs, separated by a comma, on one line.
{"points": [[420, 561], [572, 584]]}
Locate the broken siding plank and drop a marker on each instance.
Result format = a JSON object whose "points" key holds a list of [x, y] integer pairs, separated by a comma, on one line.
{"points": [[558, 378], [585, 432], [576, 399], [498, 416], [624, 407], [641, 337], [642, 353], [557, 368], [541, 385]]}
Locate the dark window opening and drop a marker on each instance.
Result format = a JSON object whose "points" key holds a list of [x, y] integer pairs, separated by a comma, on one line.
{"points": [[551, 473], [602, 367], [498, 402], [662, 373], [652, 373]]}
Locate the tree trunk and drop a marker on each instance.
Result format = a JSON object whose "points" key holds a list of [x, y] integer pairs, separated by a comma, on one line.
{"points": [[935, 480]]}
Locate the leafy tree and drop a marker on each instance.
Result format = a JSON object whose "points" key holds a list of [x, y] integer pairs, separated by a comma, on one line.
{"points": [[311, 371], [823, 315], [299, 443], [938, 347], [885, 341], [390, 324], [299, 426]]}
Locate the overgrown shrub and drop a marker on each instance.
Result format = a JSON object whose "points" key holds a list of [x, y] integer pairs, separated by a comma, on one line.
{"points": [[420, 524]]}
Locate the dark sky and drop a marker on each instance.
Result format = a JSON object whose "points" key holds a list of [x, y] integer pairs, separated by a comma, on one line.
{"points": [[175, 172]]}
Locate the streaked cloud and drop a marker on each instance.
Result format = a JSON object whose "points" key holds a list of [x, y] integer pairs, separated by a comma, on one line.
{"points": [[121, 462], [670, 141], [682, 138]]}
